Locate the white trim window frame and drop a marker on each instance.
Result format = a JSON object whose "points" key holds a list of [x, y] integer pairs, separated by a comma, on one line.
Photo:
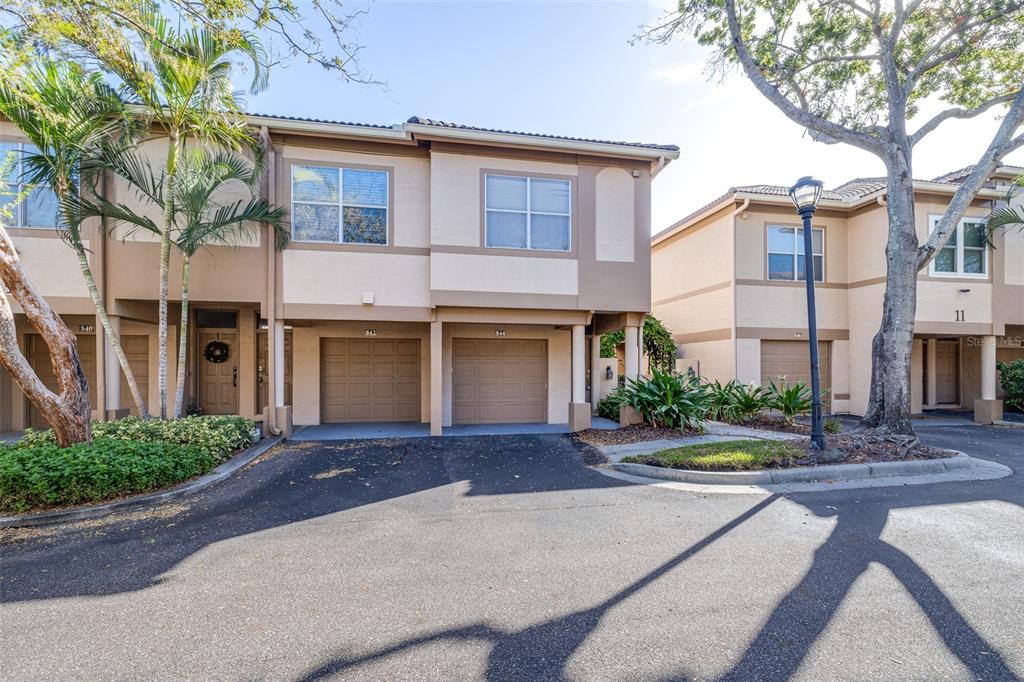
{"points": [[958, 247], [796, 253], [340, 204], [529, 212], [13, 185]]}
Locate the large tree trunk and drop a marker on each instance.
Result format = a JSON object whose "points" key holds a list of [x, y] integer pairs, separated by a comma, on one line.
{"points": [[112, 336], [891, 349], [179, 393], [165, 267], [67, 411]]}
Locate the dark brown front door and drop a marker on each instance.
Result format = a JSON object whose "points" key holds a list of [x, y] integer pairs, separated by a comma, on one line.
{"points": [[218, 381], [947, 385]]}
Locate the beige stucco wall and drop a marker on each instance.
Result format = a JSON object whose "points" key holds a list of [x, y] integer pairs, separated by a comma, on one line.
{"points": [[752, 234], [748, 361], [503, 274], [786, 307], [715, 360], [340, 277], [615, 215]]}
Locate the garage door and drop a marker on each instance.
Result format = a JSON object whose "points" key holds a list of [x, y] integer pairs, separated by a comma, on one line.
{"points": [[369, 380], [499, 381], [39, 358], [790, 359], [136, 348]]}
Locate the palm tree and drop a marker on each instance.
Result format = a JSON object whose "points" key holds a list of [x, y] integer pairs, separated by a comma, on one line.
{"points": [[182, 84], [1009, 215], [199, 219], [67, 114]]}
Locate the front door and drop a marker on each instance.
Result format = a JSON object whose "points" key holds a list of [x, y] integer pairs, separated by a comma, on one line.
{"points": [[218, 371], [947, 384]]}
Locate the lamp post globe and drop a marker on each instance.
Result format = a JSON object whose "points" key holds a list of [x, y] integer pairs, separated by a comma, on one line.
{"points": [[806, 193]]}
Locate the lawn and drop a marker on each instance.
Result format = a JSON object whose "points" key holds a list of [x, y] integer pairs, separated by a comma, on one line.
{"points": [[731, 455]]}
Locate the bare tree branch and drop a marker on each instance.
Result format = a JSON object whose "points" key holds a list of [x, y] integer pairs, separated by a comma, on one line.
{"points": [[960, 113], [797, 114], [1002, 143]]}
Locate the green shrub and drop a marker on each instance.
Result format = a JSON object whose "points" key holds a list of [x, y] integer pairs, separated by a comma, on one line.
{"points": [[736, 402], [789, 399], [730, 455], [219, 436], [608, 406], [1011, 377], [669, 400], [833, 426], [41, 474]]}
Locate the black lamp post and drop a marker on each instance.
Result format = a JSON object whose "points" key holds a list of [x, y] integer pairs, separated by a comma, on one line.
{"points": [[805, 195]]}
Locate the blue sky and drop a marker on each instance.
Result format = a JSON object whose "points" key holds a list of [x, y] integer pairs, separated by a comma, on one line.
{"points": [[567, 68]]}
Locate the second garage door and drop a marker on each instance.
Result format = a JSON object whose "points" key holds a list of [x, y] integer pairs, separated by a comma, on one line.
{"points": [[369, 380], [499, 381], [790, 359]]}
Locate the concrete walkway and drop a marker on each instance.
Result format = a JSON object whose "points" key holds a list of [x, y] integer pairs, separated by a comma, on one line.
{"points": [[417, 430], [715, 432]]}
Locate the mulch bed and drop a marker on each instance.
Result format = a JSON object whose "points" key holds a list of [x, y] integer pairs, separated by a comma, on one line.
{"points": [[637, 433], [769, 423], [864, 449]]}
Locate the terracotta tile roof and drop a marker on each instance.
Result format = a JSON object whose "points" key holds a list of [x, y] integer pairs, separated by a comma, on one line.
{"points": [[419, 120], [306, 119], [961, 173]]}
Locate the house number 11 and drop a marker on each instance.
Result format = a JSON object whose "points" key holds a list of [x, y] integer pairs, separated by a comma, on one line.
{"points": [[960, 317]]}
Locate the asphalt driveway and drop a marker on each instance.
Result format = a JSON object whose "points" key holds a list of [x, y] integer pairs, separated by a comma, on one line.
{"points": [[506, 558]]}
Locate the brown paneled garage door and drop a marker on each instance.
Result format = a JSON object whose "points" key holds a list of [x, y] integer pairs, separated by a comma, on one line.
{"points": [[369, 380], [790, 359], [39, 358], [499, 381]]}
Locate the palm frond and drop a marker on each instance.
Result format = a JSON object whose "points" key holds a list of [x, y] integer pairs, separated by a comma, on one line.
{"points": [[1006, 217]]}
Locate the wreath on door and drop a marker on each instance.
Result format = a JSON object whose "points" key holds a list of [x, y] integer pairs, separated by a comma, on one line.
{"points": [[216, 352]]}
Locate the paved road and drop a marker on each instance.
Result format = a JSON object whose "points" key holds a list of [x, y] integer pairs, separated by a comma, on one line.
{"points": [[506, 559]]}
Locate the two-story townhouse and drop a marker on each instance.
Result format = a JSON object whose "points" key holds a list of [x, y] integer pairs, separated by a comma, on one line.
{"points": [[437, 273], [728, 281]]}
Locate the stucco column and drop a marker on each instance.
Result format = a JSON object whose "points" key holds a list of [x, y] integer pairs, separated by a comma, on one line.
{"points": [[579, 363], [641, 366], [579, 408], [436, 379], [987, 409], [111, 372], [930, 347], [988, 368], [278, 363], [632, 360], [595, 371]]}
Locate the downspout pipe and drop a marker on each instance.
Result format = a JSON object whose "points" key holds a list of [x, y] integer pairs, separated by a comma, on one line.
{"points": [[270, 420]]}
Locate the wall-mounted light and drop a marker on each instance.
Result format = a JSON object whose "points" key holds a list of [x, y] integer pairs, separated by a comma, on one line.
{"points": [[608, 373]]}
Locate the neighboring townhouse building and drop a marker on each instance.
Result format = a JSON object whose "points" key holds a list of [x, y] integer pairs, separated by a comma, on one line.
{"points": [[437, 273], [727, 281]]}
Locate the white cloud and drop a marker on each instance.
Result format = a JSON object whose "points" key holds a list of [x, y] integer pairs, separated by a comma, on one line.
{"points": [[677, 74]]}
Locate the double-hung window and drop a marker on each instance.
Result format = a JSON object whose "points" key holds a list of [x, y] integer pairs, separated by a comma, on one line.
{"points": [[39, 208], [528, 213], [966, 252], [339, 205], [786, 253]]}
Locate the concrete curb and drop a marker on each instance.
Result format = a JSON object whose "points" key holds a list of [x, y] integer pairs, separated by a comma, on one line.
{"points": [[835, 472], [91, 512]]}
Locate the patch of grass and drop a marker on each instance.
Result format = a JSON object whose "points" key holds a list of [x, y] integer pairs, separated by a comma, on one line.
{"points": [[730, 455]]}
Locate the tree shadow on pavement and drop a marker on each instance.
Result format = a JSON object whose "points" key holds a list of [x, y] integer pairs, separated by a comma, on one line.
{"points": [[297, 482], [539, 652]]}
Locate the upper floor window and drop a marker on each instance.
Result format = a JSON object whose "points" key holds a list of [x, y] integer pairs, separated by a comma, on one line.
{"points": [[966, 252], [786, 253], [528, 213], [39, 208], [339, 205]]}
